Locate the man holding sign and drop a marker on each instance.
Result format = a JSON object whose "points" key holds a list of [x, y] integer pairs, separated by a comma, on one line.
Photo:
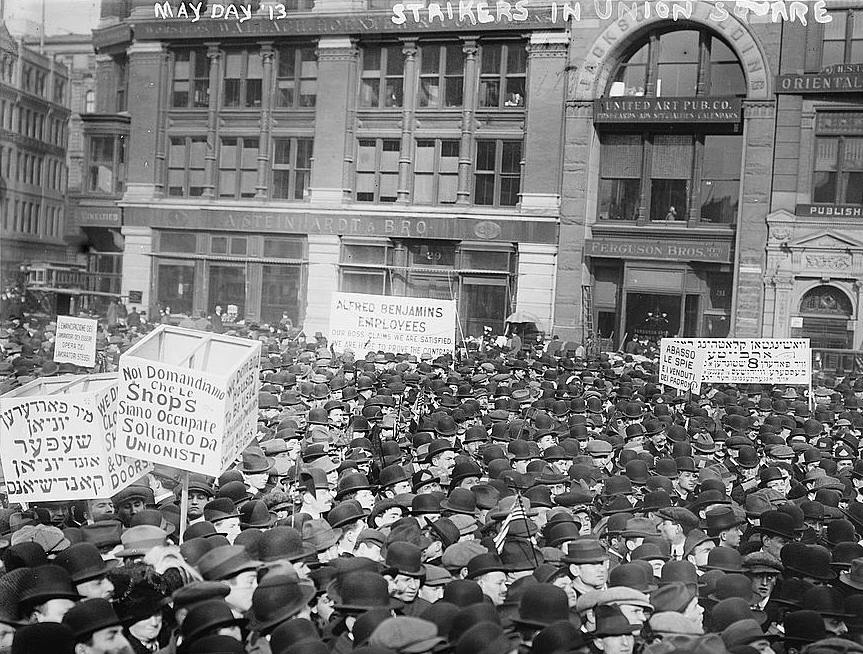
{"points": [[680, 365]]}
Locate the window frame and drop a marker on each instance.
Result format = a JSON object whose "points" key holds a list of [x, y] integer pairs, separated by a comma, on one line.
{"points": [[435, 173], [852, 15], [382, 76], [841, 172], [291, 167], [497, 173], [243, 93], [238, 169], [503, 75], [441, 75], [118, 163], [121, 70], [186, 168], [298, 79], [376, 171], [194, 83]]}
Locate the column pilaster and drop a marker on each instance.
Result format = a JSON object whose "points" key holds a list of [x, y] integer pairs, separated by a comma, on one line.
{"points": [[214, 54], [268, 54], [465, 158], [408, 112]]}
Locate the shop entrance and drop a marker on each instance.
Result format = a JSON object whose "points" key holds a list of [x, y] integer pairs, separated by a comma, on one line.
{"points": [[652, 315]]}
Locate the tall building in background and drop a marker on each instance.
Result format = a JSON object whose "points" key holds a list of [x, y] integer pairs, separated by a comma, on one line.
{"points": [[610, 171], [34, 116]]}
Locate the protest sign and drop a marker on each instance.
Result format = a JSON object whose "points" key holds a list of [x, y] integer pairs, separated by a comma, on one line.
{"points": [[57, 440], [680, 364], [188, 399], [753, 360], [75, 341], [404, 325]]}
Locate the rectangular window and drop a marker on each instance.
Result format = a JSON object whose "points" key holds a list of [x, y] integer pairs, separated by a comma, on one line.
{"points": [[59, 90], [377, 170], [281, 292], [363, 267], [381, 82], [720, 178], [176, 286], [121, 65], [191, 83], [238, 167], [843, 38], [244, 72], [620, 169], [436, 171], [297, 77], [186, 166], [292, 168], [100, 167], [838, 174], [497, 173], [502, 81], [441, 75], [170, 241], [670, 173]]}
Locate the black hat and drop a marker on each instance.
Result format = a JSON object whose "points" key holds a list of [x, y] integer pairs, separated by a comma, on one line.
{"points": [[542, 605], [89, 616], [363, 590], [141, 602], [405, 559], [82, 561], [610, 621], [776, 523], [345, 513], [279, 597], [206, 616], [804, 627], [49, 582], [44, 637], [485, 563], [198, 591]]}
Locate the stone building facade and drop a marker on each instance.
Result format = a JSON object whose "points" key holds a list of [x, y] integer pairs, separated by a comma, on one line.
{"points": [[506, 164]]}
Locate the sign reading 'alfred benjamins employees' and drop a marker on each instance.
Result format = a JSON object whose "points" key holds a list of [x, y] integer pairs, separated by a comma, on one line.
{"points": [[666, 250], [637, 109], [408, 325], [754, 360], [841, 78]]}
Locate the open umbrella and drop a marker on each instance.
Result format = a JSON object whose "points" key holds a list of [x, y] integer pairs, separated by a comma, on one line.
{"points": [[521, 316]]}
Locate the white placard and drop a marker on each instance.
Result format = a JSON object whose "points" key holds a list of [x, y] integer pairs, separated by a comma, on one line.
{"points": [[57, 440], [680, 364], [403, 325], [754, 360], [75, 341], [188, 399]]}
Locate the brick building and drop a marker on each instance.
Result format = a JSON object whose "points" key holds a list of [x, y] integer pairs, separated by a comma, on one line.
{"points": [[508, 165], [815, 247], [33, 134]]}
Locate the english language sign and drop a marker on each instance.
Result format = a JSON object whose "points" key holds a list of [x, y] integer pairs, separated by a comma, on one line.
{"points": [[58, 440], [404, 325]]}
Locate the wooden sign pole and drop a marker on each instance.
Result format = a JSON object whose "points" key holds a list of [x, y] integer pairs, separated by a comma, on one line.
{"points": [[184, 505]]}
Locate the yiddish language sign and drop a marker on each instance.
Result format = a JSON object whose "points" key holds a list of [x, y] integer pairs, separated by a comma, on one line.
{"points": [[188, 399], [75, 341], [680, 364], [57, 441], [754, 360], [404, 325]]}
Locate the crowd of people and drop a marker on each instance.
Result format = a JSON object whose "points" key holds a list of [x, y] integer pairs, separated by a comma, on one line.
{"points": [[509, 501]]}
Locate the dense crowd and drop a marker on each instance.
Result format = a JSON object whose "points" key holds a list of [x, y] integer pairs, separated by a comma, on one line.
{"points": [[516, 499]]}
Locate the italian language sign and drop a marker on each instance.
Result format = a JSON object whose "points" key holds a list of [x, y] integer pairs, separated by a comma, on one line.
{"points": [[404, 325], [754, 360], [197, 420], [62, 447], [680, 364], [75, 341]]}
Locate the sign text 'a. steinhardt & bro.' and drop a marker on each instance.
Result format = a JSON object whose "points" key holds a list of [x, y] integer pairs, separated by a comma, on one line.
{"points": [[188, 399], [363, 323]]}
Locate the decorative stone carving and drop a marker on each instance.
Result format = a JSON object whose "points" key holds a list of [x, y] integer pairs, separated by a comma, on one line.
{"points": [[828, 261]]}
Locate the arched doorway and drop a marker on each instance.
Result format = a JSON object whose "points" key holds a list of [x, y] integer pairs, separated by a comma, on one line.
{"points": [[826, 311]]}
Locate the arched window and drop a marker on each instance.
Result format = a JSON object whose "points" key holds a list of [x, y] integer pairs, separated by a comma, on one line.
{"points": [[679, 63], [89, 102], [825, 310], [673, 172]]}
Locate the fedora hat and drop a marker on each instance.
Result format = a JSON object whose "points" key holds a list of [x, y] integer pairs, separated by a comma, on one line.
{"points": [[721, 518], [137, 541], [278, 598], [585, 550], [205, 617], [542, 605], [154, 518], [256, 515], [89, 616], [854, 577], [226, 561], [103, 533], [610, 621], [319, 535], [460, 500]]}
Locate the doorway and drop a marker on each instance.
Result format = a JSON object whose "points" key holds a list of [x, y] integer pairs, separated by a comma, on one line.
{"points": [[652, 315]]}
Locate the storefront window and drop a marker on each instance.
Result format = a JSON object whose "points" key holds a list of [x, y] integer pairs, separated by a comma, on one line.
{"points": [[176, 287], [170, 241], [483, 303], [284, 248], [281, 289], [227, 285]]}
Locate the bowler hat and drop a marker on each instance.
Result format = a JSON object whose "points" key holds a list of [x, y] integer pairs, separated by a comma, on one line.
{"points": [[776, 523], [804, 627], [345, 513], [44, 637], [48, 582], [542, 605], [485, 563], [205, 617], [363, 590], [405, 559], [283, 543], [220, 508], [89, 616], [82, 561]]}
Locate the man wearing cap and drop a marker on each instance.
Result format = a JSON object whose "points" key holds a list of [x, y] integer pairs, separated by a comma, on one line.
{"points": [[130, 501], [200, 492], [675, 523], [97, 628]]}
